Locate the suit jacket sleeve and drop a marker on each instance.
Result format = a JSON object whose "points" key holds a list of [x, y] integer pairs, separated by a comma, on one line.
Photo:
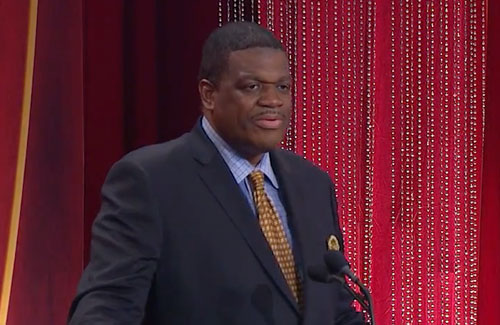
{"points": [[345, 313], [125, 248]]}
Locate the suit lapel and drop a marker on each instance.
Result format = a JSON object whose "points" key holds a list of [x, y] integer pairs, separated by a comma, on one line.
{"points": [[292, 196], [218, 178], [301, 228]]}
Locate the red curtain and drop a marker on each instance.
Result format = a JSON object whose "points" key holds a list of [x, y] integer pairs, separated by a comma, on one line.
{"points": [[489, 283], [139, 78], [96, 73], [389, 99], [41, 233], [13, 32]]}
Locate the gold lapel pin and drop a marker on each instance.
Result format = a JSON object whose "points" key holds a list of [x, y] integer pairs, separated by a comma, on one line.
{"points": [[333, 243]]}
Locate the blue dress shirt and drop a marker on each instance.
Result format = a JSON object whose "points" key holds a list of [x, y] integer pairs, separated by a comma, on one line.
{"points": [[241, 168]]}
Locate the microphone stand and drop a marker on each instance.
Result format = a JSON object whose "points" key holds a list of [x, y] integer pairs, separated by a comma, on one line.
{"points": [[365, 300], [368, 298], [360, 299], [320, 274]]}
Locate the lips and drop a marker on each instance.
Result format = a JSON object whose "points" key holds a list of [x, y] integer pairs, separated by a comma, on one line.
{"points": [[269, 121]]}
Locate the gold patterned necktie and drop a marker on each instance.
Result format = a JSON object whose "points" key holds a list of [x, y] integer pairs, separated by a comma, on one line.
{"points": [[274, 233]]}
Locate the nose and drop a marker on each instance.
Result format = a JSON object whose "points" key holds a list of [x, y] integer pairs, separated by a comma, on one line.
{"points": [[270, 97]]}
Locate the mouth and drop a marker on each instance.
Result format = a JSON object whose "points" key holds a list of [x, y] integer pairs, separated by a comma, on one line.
{"points": [[269, 121]]}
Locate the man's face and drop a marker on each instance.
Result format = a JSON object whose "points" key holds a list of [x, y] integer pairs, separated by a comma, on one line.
{"points": [[250, 107]]}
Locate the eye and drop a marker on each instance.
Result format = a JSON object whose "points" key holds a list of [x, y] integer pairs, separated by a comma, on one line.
{"points": [[252, 86], [283, 87]]}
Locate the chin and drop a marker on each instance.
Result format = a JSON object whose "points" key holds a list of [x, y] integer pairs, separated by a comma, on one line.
{"points": [[267, 146], [262, 143]]}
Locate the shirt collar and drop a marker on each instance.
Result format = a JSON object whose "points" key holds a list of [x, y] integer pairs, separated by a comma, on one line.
{"points": [[239, 166]]}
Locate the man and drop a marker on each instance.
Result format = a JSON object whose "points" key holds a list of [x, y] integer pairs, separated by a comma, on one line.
{"points": [[219, 225]]}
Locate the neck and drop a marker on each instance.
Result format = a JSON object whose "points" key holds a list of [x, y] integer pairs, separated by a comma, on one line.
{"points": [[254, 160]]}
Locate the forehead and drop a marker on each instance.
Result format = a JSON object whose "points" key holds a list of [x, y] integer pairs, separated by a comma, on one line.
{"points": [[258, 62]]}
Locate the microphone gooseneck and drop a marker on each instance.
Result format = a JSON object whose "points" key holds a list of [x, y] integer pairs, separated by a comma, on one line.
{"points": [[336, 268]]}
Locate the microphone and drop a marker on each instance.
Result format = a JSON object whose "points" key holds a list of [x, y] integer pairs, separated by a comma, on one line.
{"points": [[320, 273], [337, 264], [262, 300]]}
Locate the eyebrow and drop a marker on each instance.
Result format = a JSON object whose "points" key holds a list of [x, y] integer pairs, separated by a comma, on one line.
{"points": [[253, 77]]}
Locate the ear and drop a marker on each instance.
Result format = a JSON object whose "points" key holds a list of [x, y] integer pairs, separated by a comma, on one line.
{"points": [[207, 92]]}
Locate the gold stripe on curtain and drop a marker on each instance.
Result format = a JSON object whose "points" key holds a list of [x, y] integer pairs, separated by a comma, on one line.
{"points": [[21, 162]]}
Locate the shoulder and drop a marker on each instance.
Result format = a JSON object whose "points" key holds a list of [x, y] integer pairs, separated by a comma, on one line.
{"points": [[161, 153], [168, 157]]}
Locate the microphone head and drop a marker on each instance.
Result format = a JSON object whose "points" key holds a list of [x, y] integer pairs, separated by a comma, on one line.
{"points": [[336, 262]]}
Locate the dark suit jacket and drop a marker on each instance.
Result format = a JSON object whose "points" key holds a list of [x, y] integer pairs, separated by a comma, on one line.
{"points": [[176, 242]]}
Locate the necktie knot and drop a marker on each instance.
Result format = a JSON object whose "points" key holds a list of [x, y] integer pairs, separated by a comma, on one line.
{"points": [[257, 179]]}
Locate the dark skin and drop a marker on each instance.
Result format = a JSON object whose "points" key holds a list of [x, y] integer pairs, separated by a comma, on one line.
{"points": [[250, 105]]}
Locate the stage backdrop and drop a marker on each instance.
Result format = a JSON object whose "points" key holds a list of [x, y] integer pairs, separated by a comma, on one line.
{"points": [[394, 99]]}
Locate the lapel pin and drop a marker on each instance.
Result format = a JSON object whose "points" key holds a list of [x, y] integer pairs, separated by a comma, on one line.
{"points": [[333, 243]]}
